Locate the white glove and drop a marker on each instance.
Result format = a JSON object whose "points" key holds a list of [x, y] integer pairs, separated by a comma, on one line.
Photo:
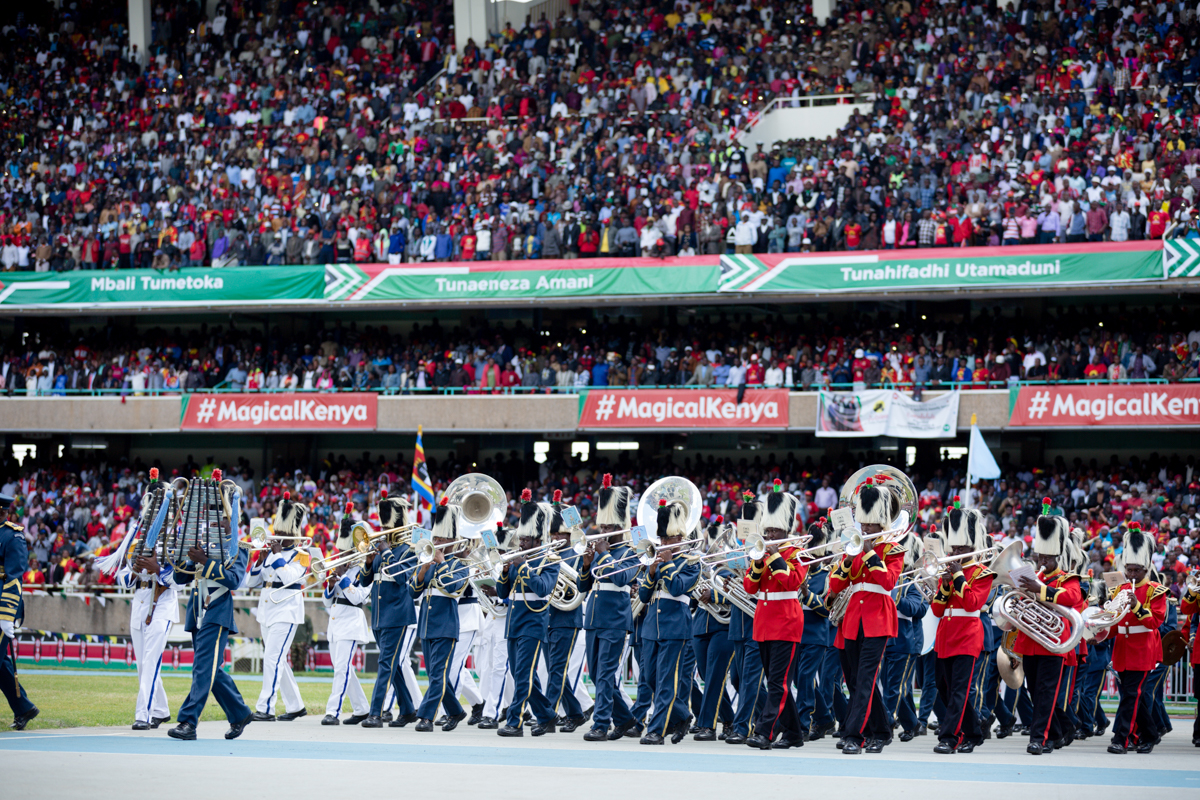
{"points": [[6, 627]]}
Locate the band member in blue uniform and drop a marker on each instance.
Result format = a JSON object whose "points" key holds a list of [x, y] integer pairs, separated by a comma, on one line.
{"points": [[747, 658], [387, 575], [903, 651], [813, 706], [565, 649], [210, 621], [527, 585], [665, 589], [13, 558], [608, 619], [710, 641], [279, 573], [439, 583]]}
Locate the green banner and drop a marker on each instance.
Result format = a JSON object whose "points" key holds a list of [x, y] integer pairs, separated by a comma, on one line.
{"points": [[522, 280], [138, 288], [944, 269]]}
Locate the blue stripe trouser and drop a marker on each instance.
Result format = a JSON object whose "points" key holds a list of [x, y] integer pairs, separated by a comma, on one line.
{"points": [[208, 648]]}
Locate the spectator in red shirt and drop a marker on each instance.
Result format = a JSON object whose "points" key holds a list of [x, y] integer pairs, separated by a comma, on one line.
{"points": [[853, 235], [755, 372]]}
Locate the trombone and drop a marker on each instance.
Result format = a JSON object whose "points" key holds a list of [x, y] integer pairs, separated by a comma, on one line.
{"points": [[646, 552], [579, 541], [931, 566], [754, 548]]}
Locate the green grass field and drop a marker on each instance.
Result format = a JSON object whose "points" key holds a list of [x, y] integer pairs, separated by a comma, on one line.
{"points": [[72, 701]]}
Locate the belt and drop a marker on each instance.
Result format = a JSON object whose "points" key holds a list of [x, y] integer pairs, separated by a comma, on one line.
{"points": [[341, 601], [605, 586], [661, 595], [903, 616], [145, 584], [279, 584], [466, 601], [433, 590], [528, 597], [779, 596], [961, 612], [874, 588], [1132, 629]]}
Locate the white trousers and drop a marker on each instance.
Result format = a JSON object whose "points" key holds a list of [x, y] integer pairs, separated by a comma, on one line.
{"points": [[277, 673], [407, 640], [491, 659], [149, 641], [462, 682], [345, 680]]}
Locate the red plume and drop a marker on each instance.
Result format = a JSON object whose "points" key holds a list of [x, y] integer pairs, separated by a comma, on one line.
{"points": [[720, 519], [154, 473], [350, 507], [607, 481], [526, 495], [287, 495], [558, 495], [444, 501], [216, 475], [1047, 501], [662, 501]]}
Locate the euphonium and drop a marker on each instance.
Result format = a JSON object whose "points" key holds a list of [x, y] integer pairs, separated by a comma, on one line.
{"points": [[566, 595], [1098, 621], [718, 612], [1054, 627]]}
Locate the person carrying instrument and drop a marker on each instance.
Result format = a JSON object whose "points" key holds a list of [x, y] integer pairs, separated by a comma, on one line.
{"points": [[819, 675], [527, 584], [903, 653], [1093, 720], [747, 657], [1073, 561], [961, 593], [1137, 646], [14, 554], [1189, 609], [495, 684], [462, 682], [710, 642], [607, 617], [210, 621], [343, 599], [870, 618], [393, 618], [154, 609], [564, 651], [776, 579], [281, 576], [1043, 669], [665, 589], [439, 583]]}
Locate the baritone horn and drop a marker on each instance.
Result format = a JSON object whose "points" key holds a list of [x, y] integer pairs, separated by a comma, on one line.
{"points": [[481, 502], [1054, 627]]}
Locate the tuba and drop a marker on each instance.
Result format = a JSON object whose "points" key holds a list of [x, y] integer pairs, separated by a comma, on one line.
{"points": [[673, 489], [209, 512], [481, 501], [1054, 627]]}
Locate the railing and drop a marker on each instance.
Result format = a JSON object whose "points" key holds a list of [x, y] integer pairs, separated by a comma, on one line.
{"points": [[223, 388], [807, 101]]}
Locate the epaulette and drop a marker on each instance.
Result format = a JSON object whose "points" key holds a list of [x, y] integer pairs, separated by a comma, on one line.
{"points": [[14, 525], [1156, 590], [982, 573], [889, 549]]}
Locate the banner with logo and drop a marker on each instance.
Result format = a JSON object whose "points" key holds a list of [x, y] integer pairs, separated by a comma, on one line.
{"points": [[522, 280], [149, 288], [944, 269], [1106, 405], [303, 411], [682, 408], [886, 412]]}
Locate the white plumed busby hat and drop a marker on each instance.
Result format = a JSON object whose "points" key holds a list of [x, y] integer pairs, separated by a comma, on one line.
{"points": [[1050, 539], [956, 527], [1137, 547], [672, 519], [445, 521], [876, 505], [781, 509], [345, 541], [535, 519], [393, 511], [821, 531], [612, 504]]}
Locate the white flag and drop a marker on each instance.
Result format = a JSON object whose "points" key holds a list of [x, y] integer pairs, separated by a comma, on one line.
{"points": [[980, 463]]}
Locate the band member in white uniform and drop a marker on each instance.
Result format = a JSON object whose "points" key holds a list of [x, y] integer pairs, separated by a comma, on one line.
{"points": [[495, 684], [348, 628], [280, 574], [462, 682]]}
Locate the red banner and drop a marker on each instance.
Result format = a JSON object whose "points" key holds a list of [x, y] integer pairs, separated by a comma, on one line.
{"points": [[682, 408], [285, 411], [1117, 406]]}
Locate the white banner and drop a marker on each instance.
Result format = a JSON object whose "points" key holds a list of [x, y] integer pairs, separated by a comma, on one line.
{"points": [[886, 412]]}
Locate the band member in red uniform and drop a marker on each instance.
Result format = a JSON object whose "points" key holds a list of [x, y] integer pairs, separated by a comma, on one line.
{"points": [[961, 594], [775, 580], [1044, 671], [870, 618], [1137, 646], [1189, 609]]}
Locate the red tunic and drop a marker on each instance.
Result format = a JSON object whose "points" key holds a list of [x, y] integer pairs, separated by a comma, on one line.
{"points": [[960, 632], [1187, 609], [1137, 644], [776, 583], [871, 608], [1061, 588]]}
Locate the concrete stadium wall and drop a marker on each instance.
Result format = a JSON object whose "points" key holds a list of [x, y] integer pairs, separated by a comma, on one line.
{"points": [[60, 614], [466, 414]]}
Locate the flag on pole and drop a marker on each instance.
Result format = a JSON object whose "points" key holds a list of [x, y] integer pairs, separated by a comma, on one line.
{"points": [[420, 477], [981, 465]]}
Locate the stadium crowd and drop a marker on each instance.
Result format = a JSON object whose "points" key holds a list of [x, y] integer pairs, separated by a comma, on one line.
{"points": [[75, 511], [708, 348], [279, 132]]}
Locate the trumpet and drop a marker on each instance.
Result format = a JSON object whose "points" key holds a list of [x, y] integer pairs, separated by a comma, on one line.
{"points": [[646, 552], [1098, 621], [579, 541], [1192, 583], [426, 549], [754, 548], [549, 549]]}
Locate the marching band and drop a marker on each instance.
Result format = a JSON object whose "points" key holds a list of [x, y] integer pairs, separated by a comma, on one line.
{"points": [[742, 632]]}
